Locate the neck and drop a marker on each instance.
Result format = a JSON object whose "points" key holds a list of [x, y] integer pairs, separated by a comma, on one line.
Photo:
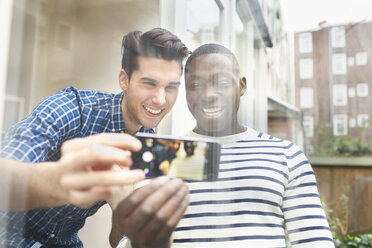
{"points": [[231, 130], [131, 126]]}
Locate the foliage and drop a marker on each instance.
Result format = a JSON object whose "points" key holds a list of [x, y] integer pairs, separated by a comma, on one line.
{"points": [[325, 144], [339, 227]]}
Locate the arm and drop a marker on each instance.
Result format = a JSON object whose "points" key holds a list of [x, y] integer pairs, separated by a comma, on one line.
{"points": [[86, 173], [149, 215], [305, 219]]}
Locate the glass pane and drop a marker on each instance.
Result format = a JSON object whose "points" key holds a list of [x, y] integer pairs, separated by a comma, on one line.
{"points": [[202, 21]]}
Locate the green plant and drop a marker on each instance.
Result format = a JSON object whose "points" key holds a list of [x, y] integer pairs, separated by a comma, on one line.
{"points": [[325, 144], [339, 226]]}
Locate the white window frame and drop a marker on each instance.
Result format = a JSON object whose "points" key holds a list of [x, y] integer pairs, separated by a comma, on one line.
{"points": [[340, 95], [338, 37], [362, 90], [306, 68], [339, 64], [306, 97], [20, 101], [363, 120], [308, 124], [352, 122], [342, 120], [305, 43], [361, 58]]}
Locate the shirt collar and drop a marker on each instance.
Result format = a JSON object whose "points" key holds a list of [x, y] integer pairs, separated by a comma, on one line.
{"points": [[117, 120]]}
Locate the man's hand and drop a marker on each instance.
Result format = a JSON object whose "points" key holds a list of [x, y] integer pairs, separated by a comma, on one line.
{"points": [[95, 168], [149, 215]]}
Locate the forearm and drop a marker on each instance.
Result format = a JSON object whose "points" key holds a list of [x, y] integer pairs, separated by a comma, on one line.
{"points": [[29, 186]]}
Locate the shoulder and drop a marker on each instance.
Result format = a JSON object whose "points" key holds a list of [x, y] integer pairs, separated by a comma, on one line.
{"points": [[71, 97]]}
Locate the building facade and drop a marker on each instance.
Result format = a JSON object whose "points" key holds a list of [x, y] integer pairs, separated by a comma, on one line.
{"points": [[333, 72]]}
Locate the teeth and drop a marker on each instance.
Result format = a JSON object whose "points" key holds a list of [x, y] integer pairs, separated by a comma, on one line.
{"points": [[153, 111], [212, 110]]}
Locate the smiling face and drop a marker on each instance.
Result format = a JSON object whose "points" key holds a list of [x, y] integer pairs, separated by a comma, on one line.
{"points": [[150, 93], [213, 91]]}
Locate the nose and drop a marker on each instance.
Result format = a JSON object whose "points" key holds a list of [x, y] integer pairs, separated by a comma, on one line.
{"points": [[159, 97], [209, 93]]}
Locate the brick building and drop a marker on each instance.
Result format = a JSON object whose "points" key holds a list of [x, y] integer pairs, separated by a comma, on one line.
{"points": [[333, 78]]}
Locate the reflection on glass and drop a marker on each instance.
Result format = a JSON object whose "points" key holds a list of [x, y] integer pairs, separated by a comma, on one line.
{"points": [[202, 24]]}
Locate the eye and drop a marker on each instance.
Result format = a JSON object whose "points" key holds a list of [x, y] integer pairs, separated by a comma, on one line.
{"points": [[149, 83], [194, 85], [223, 83], [172, 87]]}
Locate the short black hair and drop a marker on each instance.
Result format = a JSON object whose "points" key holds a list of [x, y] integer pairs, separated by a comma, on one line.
{"points": [[210, 48], [156, 43]]}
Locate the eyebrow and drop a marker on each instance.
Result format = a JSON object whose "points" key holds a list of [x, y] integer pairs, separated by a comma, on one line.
{"points": [[148, 79], [155, 81]]}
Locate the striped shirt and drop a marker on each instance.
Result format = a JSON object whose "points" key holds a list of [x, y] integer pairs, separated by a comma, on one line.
{"points": [[266, 192], [67, 114]]}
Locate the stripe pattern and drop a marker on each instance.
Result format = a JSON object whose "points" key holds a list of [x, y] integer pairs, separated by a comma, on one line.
{"points": [[266, 196]]}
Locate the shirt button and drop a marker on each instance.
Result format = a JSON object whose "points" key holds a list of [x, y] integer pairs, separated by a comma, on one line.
{"points": [[69, 217], [52, 235]]}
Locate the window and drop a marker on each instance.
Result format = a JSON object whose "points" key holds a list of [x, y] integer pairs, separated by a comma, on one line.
{"points": [[306, 97], [363, 120], [308, 124], [340, 94], [361, 58], [339, 125], [362, 90], [352, 122], [202, 21], [350, 61], [339, 63], [305, 43], [306, 68], [351, 92], [338, 36]]}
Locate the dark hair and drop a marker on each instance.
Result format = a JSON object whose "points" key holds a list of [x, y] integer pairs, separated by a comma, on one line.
{"points": [[212, 48], [156, 43]]}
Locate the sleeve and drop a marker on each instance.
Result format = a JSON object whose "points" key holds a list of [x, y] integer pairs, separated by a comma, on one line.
{"points": [[35, 138], [305, 220], [124, 243]]}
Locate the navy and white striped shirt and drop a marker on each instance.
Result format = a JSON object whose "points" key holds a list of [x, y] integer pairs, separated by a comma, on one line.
{"points": [[67, 114], [266, 188]]}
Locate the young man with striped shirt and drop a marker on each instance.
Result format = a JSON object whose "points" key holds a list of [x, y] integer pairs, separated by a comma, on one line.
{"points": [[266, 187]]}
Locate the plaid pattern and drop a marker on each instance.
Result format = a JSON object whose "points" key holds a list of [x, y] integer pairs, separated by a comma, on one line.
{"points": [[67, 114]]}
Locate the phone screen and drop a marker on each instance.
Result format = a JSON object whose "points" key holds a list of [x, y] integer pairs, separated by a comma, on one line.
{"points": [[189, 159]]}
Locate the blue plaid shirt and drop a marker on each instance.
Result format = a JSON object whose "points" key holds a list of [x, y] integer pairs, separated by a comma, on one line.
{"points": [[67, 114]]}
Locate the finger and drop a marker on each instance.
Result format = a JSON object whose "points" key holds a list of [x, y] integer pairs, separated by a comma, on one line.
{"points": [[85, 199], [119, 140], [131, 203], [101, 178], [166, 212], [96, 155], [168, 229], [149, 207]]}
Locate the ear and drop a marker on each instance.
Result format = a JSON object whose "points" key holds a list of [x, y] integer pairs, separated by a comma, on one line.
{"points": [[123, 80], [242, 86]]}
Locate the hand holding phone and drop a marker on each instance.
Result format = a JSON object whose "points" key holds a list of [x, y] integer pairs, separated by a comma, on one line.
{"points": [[186, 158]]}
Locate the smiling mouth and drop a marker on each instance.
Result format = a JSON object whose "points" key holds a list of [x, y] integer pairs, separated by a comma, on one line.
{"points": [[212, 112], [153, 111]]}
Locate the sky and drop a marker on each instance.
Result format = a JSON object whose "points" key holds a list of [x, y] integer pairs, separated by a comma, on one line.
{"points": [[301, 15]]}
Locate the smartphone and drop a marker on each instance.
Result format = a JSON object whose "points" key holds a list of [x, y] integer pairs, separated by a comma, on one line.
{"points": [[186, 158]]}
